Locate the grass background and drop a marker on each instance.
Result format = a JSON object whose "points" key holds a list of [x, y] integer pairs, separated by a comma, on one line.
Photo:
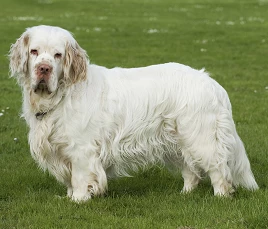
{"points": [[227, 37]]}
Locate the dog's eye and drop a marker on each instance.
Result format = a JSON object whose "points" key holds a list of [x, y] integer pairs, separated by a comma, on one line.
{"points": [[58, 55], [34, 52]]}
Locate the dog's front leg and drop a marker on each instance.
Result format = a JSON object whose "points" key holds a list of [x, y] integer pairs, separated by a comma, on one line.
{"points": [[88, 178]]}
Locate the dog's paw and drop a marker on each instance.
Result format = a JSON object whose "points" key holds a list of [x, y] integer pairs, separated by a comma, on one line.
{"points": [[80, 197]]}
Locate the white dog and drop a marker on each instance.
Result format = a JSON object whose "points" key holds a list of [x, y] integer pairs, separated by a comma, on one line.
{"points": [[88, 122]]}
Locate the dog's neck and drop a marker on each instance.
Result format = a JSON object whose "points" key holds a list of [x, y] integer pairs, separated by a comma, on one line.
{"points": [[41, 106]]}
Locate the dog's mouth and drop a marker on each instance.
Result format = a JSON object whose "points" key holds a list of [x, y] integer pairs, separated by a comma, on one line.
{"points": [[42, 88]]}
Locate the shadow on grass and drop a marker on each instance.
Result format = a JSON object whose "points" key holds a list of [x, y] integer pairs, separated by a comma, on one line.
{"points": [[154, 181]]}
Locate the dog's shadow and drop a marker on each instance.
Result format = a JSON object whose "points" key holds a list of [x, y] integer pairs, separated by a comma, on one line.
{"points": [[140, 184], [143, 183], [37, 182]]}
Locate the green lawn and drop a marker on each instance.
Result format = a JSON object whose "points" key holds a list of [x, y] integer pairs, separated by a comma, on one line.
{"points": [[227, 37]]}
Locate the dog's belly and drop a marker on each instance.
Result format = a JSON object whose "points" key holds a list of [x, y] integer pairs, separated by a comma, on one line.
{"points": [[143, 146]]}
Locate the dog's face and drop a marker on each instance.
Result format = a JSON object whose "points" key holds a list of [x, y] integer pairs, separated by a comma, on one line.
{"points": [[44, 57], [45, 63]]}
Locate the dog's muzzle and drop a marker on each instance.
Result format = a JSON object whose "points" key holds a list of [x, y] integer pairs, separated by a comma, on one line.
{"points": [[43, 73]]}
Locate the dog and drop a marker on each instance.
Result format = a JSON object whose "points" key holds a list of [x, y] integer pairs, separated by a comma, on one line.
{"points": [[88, 123]]}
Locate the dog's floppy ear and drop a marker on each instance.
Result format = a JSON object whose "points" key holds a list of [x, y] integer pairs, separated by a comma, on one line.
{"points": [[18, 56], [75, 63]]}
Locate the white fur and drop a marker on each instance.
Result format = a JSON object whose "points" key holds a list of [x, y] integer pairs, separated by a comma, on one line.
{"points": [[108, 122]]}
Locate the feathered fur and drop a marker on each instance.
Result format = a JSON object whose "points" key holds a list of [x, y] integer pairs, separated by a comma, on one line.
{"points": [[101, 122]]}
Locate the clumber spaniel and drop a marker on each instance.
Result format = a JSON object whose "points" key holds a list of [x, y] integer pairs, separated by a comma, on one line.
{"points": [[88, 122]]}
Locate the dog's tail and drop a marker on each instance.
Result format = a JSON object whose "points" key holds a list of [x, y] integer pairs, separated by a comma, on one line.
{"points": [[240, 167]]}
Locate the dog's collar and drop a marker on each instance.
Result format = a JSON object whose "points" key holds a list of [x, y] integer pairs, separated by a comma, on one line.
{"points": [[40, 115]]}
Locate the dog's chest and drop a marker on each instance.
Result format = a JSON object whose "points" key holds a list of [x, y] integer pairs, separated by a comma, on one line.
{"points": [[47, 142]]}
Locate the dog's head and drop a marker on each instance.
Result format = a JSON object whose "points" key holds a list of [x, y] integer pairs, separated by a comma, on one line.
{"points": [[45, 57]]}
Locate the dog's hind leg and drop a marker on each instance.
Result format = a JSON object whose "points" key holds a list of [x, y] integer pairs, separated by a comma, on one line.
{"points": [[191, 179], [221, 185]]}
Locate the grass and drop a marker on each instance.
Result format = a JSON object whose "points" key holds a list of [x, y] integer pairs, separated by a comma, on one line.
{"points": [[227, 37]]}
